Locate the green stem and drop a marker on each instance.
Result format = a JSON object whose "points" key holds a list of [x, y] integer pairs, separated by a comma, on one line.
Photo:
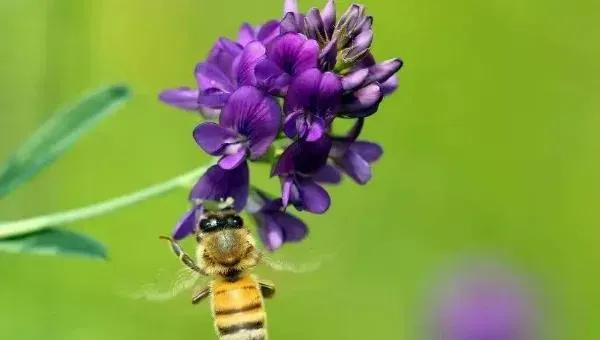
{"points": [[19, 227]]}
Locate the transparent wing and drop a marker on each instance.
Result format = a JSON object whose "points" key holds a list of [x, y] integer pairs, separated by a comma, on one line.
{"points": [[183, 280], [296, 268]]}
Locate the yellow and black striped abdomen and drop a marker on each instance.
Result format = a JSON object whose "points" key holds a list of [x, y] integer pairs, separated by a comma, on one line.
{"points": [[238, 309]]}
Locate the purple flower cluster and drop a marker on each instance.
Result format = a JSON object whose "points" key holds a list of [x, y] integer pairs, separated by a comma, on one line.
{"points": [[272, 96]]}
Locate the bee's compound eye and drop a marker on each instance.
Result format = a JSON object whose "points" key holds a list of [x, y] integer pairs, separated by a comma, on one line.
{"points": [[234, 222], [209, 224]]}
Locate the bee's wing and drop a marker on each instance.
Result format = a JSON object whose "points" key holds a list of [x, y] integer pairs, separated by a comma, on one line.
{"points": [[296, 268], [183, 280]]}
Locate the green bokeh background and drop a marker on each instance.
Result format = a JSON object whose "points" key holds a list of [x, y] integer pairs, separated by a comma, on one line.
{"points": [[491, 149]]}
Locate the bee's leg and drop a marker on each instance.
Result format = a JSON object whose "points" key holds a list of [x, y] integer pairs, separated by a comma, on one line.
{"points": [[183, 256], [200, 295], [267, 289]]}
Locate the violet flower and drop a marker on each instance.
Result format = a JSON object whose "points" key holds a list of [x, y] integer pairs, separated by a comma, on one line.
{"points": [[297, 167], [247, 127], [285, 57], [354, 157], [311, 104], [216, 77], [275, 226]]}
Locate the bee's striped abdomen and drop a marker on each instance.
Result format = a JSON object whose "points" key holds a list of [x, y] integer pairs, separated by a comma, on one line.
{"points": [[238, 309]]}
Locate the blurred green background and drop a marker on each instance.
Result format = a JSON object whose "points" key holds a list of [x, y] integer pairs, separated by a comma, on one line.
{"points": [[491, 149]]}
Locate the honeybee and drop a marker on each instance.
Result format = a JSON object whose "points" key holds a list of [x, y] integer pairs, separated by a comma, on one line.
{"points": [[227, 254]]}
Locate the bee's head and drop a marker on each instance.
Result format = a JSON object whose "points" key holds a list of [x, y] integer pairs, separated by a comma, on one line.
{"points": [[223, 238]]}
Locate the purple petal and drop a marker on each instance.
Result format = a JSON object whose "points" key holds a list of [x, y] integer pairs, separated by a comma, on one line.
{"points": [[327, 174], [328, 55], [218, 183], [232, 161], [349, 18], [303, 90], [212, 137], [246, 34], [185, 226], [266, 70], [384, 70], [253, 53], [223, 55], [390, 85], [367, 61], [360, 45], [209, 75], [254, 115], [354, 79], [307, 57], [290, 125], [355, 166], [369, 151], [363, 102], [315, 130], [270, 232], [328, 15], [293, 228], [213, 98], [182, 97], [303, 157], [268, 32], [366, 24], [314, 198], [314, 26], [290, 23], [330, 92], [293, 53], [286, 191], [290, 6], [271, 78], [229, 46]]}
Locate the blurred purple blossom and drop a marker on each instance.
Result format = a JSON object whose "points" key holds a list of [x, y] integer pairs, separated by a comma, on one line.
{"points": [[484, 303]]}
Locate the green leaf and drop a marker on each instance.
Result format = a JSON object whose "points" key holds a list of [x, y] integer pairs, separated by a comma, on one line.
{"points": [[54, 241], [57, 134]]}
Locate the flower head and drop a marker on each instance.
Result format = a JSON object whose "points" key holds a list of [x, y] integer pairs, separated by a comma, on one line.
{"points": [[275, 226], [272, 96]]}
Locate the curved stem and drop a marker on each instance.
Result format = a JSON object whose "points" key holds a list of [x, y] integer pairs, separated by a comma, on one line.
{"points": [[14, 228]]}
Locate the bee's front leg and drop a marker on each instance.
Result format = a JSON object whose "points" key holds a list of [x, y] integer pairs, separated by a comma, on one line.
{"points": [[267, 289], [200, 295], [187, 260]]}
